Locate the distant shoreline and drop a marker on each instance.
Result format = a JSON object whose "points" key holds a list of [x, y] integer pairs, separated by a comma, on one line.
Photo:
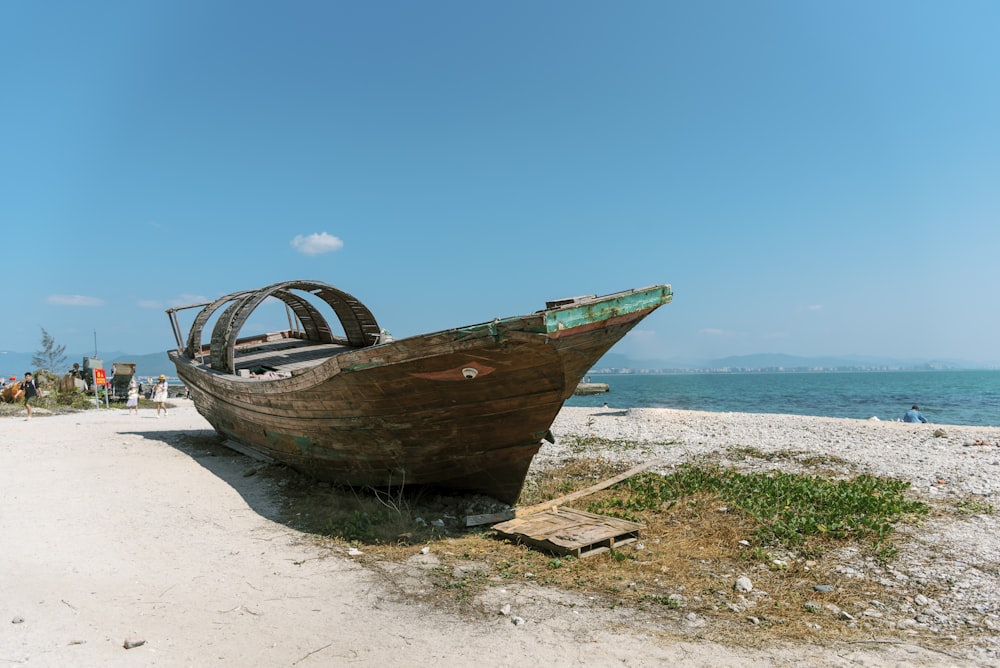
{"points": [[623, 371]]}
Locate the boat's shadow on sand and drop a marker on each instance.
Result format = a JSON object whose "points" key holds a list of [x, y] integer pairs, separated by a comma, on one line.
{"points": [[242, 473], [292, 499]]}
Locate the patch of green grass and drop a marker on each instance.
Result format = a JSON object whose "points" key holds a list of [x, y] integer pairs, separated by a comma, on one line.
{"points": [[803, 457], [741, 452], [970, 506], [787, 509]]}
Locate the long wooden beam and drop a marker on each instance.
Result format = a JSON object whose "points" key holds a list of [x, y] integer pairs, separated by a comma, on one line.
{"points": [[473, 520]]}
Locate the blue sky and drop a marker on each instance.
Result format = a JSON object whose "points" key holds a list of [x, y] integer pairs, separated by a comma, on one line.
{"points": [[812, 178]]}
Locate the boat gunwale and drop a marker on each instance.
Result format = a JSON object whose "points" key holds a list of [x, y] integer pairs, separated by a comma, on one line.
{"points": [[541, 325]]}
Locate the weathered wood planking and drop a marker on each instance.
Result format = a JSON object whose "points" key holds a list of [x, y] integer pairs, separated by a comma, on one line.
{"points": [[465, 408], [579, 494], [570, 531], [288, 355]]}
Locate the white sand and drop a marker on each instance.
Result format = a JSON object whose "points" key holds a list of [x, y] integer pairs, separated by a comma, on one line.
{"points": [[115, 526]]}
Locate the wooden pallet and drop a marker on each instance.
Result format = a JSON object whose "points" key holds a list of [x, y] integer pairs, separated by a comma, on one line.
{"points": [[568, 531]]}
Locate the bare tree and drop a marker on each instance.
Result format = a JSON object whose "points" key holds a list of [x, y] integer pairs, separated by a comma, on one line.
{"points": [[50, 357]]}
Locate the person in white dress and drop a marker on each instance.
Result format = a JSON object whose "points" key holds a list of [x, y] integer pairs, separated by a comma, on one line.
{"points": [[132, 403], [160, 395]]}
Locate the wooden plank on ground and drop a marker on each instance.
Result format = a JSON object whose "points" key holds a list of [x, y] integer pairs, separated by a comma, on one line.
{"points": [[489, 518], [548, 505], [568, 531]]}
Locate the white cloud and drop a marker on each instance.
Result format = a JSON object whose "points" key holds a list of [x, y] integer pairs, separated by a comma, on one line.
{"points": [[187, 300], [317, 243], [711, 331], [74, 300], [148, 303], [814, 307]]}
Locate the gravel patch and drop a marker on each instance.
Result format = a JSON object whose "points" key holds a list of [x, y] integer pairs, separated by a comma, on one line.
{"points": [[946, 578]]}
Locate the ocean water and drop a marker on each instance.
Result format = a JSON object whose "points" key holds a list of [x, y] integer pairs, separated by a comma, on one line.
{"points": [[944, 397]]}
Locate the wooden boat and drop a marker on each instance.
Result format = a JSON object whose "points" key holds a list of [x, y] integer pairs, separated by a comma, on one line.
{"points": [[464, 408], [584, 389]]}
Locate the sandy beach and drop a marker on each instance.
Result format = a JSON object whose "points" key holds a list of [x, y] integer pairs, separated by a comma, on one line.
{"points": [[131, 530]]}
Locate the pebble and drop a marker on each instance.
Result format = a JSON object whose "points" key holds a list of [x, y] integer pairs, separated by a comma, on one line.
{"points": [[131, 643], [743, 584], [694, 620]]}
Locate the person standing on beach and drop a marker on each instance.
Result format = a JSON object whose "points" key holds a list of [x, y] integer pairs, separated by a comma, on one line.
{"points": [[160, 395], [913, 415], [30, 391], [132, 404]]}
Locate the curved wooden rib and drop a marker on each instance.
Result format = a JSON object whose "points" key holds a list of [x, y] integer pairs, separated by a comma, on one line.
{"points": [[359, 324], [193, 348]]}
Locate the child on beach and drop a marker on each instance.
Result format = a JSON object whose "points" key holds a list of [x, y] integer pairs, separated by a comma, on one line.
{"points": [[30, 391], [160, 395], [132, 403]]}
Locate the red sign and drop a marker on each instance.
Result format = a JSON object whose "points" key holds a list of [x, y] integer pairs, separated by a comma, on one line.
{"points": [[99, 377]]}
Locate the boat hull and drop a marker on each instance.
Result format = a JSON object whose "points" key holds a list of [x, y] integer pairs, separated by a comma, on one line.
{"points": [[464, 409]]}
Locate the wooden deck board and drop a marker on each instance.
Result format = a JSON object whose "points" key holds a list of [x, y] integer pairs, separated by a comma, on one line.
{"points": [[569, 531], [287, 355]]}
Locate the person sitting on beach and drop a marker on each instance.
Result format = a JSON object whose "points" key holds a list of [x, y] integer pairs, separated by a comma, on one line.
{"points": [[913, 415]]}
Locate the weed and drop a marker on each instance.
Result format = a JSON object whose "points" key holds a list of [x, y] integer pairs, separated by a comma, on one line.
{"points": [[971, 506], [584, 444], [787, 508]]}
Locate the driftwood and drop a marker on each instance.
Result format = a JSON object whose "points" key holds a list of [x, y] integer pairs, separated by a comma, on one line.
{"points": [[475, 520]]}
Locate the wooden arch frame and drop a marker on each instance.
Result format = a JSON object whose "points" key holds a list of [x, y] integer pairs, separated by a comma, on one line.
{"points": [[359, 324]]}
